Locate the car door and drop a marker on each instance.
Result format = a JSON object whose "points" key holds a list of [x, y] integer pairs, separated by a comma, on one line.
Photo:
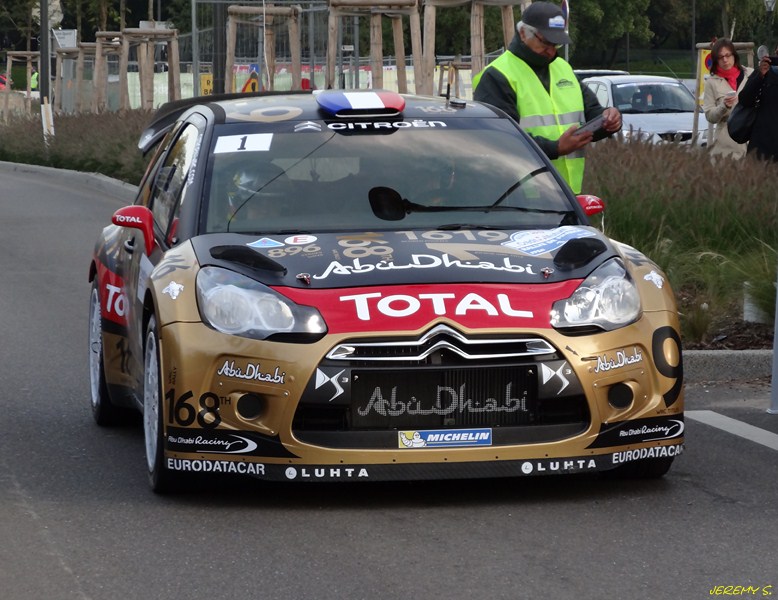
{"points": [[162, 193]]}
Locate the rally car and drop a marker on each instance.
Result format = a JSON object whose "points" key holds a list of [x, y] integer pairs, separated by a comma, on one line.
{"points": [[362, 286]]}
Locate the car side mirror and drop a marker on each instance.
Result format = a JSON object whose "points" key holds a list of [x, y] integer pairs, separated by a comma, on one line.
{"points": [[592, 205], [137, 217], [386, 203]]}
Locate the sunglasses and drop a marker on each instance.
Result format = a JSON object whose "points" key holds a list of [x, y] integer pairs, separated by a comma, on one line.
{"points": [[546, 43]]}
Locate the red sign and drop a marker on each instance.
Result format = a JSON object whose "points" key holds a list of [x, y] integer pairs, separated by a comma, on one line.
{"points": [[412, 307]]}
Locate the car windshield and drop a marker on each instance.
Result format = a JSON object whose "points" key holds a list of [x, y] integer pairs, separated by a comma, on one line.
{"points": [[653, 97], [468, 173]]}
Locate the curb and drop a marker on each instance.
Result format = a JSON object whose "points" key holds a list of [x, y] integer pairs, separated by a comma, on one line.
{"points": [[699, 365], [726, 365]]}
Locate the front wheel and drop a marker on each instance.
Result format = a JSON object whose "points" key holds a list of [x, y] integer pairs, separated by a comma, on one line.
{"points": [[161, 479]]}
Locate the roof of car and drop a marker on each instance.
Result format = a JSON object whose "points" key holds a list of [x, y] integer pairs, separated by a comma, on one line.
{"points": [[316, 105]]}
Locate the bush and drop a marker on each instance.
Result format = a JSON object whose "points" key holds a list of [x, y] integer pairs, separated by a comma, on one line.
{"points": [[712, 225], [104, 143]]}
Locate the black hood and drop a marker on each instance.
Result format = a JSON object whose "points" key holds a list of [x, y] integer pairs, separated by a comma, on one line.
{"points": [[408, 257]]}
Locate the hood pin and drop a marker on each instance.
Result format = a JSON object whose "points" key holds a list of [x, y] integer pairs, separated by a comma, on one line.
{"points": [[305, 278], [547, 271]]}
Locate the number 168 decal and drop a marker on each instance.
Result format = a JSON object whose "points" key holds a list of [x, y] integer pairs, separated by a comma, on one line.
{"points": [[183, 413]]}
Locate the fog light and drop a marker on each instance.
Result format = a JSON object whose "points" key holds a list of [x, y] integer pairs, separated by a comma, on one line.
{"points": [[250, 406], [620, 396]]}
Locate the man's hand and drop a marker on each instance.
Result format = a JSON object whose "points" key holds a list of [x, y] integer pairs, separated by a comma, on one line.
{"points": [[611, 119], [570, 141]]}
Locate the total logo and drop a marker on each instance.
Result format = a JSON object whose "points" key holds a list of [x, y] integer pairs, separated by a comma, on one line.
{"points": [[440, 304], [326, 473], [128, 219]]}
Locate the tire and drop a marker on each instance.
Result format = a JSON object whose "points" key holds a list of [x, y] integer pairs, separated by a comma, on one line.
{"points": [[105, 413], [646, 468], [161, 479]]}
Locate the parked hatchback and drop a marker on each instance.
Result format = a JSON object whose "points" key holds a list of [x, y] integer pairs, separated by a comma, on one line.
{"points": [[654, 108]]}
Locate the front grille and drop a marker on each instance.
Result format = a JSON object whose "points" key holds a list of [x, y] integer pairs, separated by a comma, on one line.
{"points": [[441, 343], [676, 136], [442, 397], [365, 391]]}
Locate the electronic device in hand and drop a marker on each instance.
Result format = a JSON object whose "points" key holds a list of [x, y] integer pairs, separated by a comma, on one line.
{"points": [[594, 125]]}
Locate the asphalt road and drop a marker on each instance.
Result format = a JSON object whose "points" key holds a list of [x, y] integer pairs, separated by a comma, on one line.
{"points": [[77, 520]]}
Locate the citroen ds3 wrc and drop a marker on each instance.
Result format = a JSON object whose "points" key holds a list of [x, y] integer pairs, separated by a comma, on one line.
{"points": [[360, 286]]}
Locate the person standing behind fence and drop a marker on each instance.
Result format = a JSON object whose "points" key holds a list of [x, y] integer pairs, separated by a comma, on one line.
{"points": [[540, 90], [762, 85], [727, 77], [34, 80]]}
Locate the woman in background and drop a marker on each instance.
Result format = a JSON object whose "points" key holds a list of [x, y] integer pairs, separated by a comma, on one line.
{"points": [[727, 77]]}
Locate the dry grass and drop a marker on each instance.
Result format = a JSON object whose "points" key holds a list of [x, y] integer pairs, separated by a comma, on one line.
{"points": [[710, 224]]}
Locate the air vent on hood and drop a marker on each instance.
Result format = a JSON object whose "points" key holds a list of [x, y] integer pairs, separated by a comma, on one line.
{"points": [[578, 252], [247, 257]]}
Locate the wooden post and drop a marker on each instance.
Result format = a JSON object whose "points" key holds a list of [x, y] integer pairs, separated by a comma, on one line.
{"points": [[57, 106], [99, 77], [477, 36], [428, 58], [7, 91], [229, 63], [174, 70], [508, 25], [269, 48], [293, 26], [416, 52], [124, 88], [376, 51], [399, 53], [332, 42], [79, 77]]}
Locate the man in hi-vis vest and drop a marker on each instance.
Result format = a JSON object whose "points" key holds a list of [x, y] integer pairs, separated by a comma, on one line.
{"points": [[539, 89]]}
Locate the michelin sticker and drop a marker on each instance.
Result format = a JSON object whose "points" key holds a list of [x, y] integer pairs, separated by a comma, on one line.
{"points": [[448, 438], [536, 243]]}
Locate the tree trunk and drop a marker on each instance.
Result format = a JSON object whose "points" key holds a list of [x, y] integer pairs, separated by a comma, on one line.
{"points": [[103, 15]]}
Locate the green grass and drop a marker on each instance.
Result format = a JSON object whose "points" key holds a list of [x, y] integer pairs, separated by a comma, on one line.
{"points": [[710, 225]]}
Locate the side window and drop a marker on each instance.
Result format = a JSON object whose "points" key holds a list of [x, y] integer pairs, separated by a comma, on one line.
{"points": [[171, 179], [602, 95], [147, 183]]}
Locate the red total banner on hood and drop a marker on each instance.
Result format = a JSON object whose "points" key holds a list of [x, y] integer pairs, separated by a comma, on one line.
{"points": [[410, 307]]}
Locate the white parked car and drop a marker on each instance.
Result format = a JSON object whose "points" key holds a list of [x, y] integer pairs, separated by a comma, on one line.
{"points": [[653, 107]]}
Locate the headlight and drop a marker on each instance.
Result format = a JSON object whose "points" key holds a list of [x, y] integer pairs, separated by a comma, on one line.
{"points": [[237, 305], [608, 299]]}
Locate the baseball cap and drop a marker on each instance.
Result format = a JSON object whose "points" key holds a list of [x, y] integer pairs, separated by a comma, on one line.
{"points": [[547, 18]]}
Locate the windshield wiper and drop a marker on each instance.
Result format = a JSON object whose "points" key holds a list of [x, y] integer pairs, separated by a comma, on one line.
{"points": [[517, 185]]}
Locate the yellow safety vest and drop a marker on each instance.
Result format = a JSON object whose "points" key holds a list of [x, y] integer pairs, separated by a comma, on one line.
{"points": [[546, 114]]}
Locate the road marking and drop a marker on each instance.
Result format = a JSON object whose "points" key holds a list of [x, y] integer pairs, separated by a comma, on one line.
{"points": [[744, 430]]}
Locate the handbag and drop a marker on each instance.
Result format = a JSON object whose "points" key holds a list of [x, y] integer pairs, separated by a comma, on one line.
{"points": [[741, 120]]}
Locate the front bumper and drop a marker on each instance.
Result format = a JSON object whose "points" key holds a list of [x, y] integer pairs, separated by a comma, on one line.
{"points": [[241, 406]]}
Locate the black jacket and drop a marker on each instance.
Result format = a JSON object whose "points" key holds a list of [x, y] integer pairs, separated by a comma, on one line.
{"points": [[493, 88], [764, 138]]}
